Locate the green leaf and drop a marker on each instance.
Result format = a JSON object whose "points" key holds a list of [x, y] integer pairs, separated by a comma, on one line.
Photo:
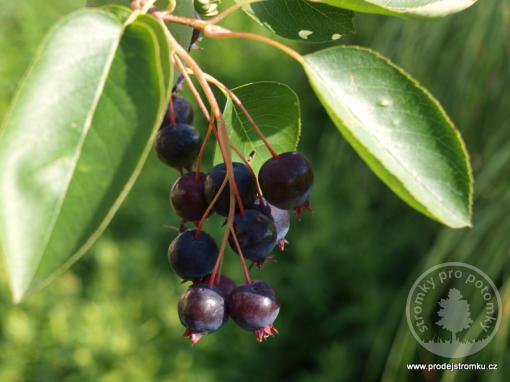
{"points": [[302, 20], [185, 8], [275, 109], [412, 8], [182, 33], [100, 3], [76, 138], [398, 128]]}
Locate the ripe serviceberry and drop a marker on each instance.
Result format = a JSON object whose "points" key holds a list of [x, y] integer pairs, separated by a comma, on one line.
{"points": [[286, 181], [281, 220], [201, 310], [178, 146], [244, 181], [183, 113], [188, 197], [192, 257], [222, 283], [254, 307], [256, 234]]}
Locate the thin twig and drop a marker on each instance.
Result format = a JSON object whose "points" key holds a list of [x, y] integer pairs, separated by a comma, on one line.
{"points": [[140, 8], [202, 106], [210, 129], [172, 111], [192, 87], [210, 207], [222, 135], [239, 103], [245, 161], [241, 256], [221, 252], [214, 31], [195, 23], [227, 12]]}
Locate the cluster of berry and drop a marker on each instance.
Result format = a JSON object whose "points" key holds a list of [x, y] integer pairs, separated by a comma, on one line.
{"points": [[260, 224]]}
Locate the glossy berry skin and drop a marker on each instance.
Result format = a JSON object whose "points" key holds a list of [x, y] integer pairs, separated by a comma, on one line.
{"points": [[256, 234], [286, 182], [183, 113], [201, 310], [178, 146], [222, 283], [244, 181], [188, 196], [281, 220], [254, 307], [193, 258]]}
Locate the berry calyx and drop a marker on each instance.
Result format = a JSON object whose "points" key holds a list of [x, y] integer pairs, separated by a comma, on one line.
{"points": [[187, 196], [178, 146], [245, 185], [281, 220], [202, 310], [286, 181], [254, 307], [191, 257], [307, 206], [183, 112], [256, 234]]}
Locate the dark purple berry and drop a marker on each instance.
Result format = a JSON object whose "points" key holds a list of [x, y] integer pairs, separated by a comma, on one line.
{"points": [[254, 307], [178, 146], [193, 258], [281, 220], [286, 182], [201, 310], [244, 181], [256, 234], [222, 283], [195, 37], [188, 197], [183, 113]]}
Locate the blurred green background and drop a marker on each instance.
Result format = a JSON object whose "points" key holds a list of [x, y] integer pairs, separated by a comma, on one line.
{"points": [[343, 279]]}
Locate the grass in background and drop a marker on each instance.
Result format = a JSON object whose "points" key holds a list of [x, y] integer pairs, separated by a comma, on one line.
{"points": [[344, 278]]}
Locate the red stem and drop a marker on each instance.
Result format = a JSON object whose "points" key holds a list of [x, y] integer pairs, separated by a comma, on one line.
{"points": [[240, 104], [214, 31], [223, 138], [172, 112], [194, 91], [259, 191], [220, 258], [210, 207], [202, 149], [241, 256], [255, 127], [230, 220], [192, 87]]}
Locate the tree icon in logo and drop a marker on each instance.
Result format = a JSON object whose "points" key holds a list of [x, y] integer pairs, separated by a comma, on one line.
{"points": [[453, 310], [454, 313]]}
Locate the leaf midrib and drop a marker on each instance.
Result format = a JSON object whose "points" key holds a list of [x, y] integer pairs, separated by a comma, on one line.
{"points": [[104, 223], [438, 200], [87, 129]]}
